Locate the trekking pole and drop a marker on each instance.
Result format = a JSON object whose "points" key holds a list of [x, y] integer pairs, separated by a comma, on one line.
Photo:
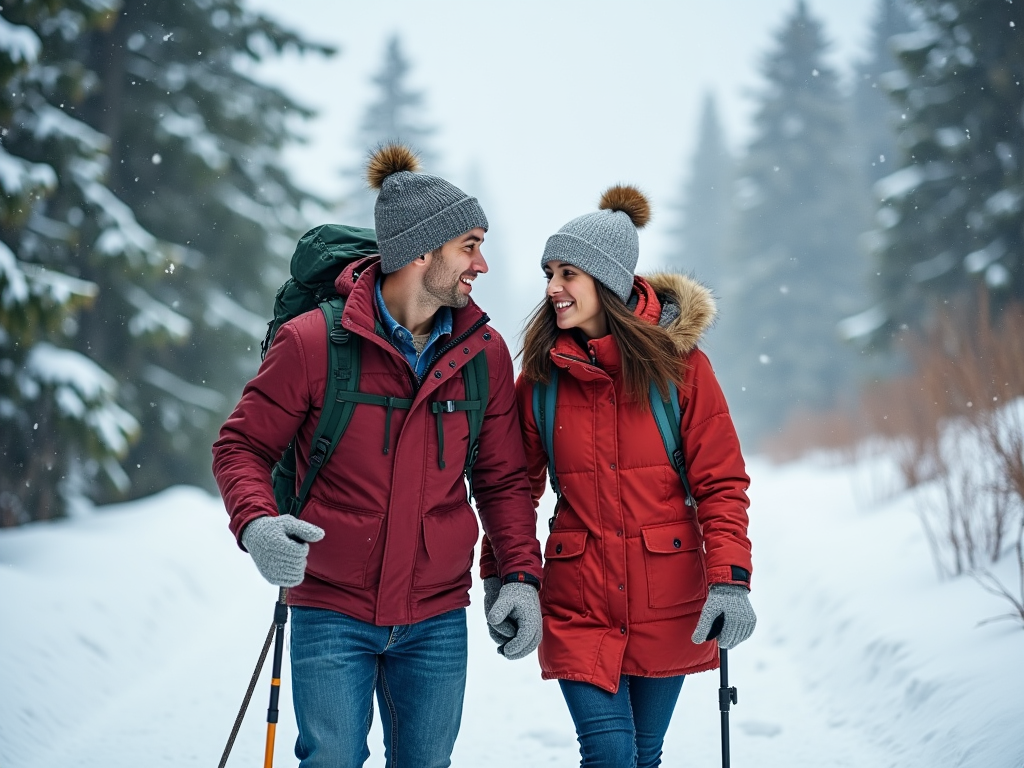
{"points": [[726, 696], [248, 694], [280, 619]]}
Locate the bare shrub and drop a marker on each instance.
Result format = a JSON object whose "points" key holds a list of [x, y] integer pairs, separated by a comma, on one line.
{"points": [[994, 586], [955, 423], [838, 432], [958, 425]]}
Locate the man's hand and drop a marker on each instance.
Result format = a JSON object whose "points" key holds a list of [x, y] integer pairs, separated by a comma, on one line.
{"points": [[278, 547], [517, 607], [729, 601], [505, 631]]}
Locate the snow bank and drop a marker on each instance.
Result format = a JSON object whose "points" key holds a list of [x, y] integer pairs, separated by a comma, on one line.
{"points": [[129, 637]]}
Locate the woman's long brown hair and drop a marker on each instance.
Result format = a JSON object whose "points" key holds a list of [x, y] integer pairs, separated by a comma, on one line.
{"points": [[648, 353]]}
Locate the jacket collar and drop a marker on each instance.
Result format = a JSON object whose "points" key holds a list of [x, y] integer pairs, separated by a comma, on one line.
{"points": [[357, 285], [681, 305]]}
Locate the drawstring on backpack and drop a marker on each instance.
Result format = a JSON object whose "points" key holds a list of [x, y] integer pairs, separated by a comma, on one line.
{"points": [[441, 407]]}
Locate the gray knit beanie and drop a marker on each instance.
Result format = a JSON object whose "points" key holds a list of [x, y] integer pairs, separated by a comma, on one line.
{"points": [[415, 213], [604, 244]]}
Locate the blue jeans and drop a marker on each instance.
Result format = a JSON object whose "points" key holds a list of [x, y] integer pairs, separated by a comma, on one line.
{"points": [[624, 729], [417, 670]]}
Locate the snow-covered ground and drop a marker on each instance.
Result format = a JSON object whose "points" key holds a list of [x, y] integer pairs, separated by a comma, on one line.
{"points": [[128, 636]]}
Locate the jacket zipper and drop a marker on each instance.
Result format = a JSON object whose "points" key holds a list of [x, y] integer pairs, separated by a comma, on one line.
{"points": [[575, 359], [455, 342], [417, 382]]}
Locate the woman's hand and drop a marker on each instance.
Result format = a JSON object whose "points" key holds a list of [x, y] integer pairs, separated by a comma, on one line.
{"points": [[732, 604]]}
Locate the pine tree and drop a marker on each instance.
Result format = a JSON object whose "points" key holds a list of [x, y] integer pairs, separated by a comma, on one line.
{"points": [[395, 115], [952, 218], [794, 270], [699, 240], [61, 428], [195, 147], [876, 117]]}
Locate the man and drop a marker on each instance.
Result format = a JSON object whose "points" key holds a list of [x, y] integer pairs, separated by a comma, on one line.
{"points": [[379, 564]]}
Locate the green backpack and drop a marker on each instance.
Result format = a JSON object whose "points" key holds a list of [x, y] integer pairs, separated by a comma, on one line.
{"points": [[320, 256], [666, 416]]}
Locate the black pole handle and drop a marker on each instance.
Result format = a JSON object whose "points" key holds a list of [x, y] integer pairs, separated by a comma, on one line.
{"points": [[727, 694]]}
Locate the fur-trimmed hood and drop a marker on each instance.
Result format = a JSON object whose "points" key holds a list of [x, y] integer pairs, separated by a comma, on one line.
{"points": [[687, 308]]}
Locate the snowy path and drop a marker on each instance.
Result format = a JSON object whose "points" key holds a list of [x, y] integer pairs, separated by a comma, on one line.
{"points": [[133, 633]]}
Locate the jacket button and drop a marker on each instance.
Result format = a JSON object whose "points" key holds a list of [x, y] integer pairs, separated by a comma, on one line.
{"points": [[622, 587], [613, 466], [437, 374], [465, 350], [451, 364], [558, 549], [677, 543], [618, 533], [622, 629], [487, 337]]}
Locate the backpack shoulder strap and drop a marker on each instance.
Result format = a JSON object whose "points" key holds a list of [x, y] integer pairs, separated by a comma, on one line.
{"points": [[545, 399], [476, 378], [669, 421], [342, 376]]}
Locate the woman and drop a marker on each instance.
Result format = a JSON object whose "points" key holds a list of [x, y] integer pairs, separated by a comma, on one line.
{"points": [[634, 578]]}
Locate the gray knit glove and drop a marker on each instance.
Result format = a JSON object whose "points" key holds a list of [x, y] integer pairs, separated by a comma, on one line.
{"points": [[730, 601], [505, 631], [278, 547], [518, 606]]}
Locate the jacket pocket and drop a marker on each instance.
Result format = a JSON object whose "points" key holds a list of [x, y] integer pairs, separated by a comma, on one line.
{"points": [[674, 557], [449, 536], [562, 590], [350, 536]]}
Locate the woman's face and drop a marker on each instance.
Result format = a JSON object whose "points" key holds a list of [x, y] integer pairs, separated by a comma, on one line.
{"points": [[573, 293]]}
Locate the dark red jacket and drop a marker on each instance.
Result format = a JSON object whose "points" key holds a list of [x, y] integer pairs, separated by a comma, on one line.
{"points": [[399, 530], [627, 566]]}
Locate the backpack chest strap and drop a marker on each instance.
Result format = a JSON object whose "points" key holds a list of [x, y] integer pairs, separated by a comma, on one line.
{"points": [[390, 403]]}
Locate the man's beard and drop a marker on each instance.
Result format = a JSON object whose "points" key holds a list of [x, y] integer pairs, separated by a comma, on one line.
{"points": [[442, 284]]}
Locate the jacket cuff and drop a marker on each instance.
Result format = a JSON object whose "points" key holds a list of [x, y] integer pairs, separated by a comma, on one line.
{"points": [[522, 577], [239, 524], [729, 574]]}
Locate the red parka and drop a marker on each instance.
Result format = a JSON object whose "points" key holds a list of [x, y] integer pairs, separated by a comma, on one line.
{"points": [[628, 564], [399, 531]]}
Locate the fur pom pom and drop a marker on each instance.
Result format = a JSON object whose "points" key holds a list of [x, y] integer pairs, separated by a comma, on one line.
{"points": [[630, 201], [389, 159]]}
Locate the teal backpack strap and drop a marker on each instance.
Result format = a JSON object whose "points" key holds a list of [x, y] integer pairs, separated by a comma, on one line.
{"points": [[476, 378], [342, 379], [545, 398], [669, 421]]}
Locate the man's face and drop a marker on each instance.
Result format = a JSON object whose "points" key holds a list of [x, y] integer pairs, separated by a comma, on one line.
{"points": [[453, 268]]}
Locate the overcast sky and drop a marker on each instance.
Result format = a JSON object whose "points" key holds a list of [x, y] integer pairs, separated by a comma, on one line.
{"points": [[542, 104]]}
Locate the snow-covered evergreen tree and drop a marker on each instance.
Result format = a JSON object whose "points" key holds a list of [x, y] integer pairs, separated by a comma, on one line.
{"points": [[700, 237], [61, 428], [195, 143], [953, 217], [876, 116], [396, 114], [795, 269]]}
